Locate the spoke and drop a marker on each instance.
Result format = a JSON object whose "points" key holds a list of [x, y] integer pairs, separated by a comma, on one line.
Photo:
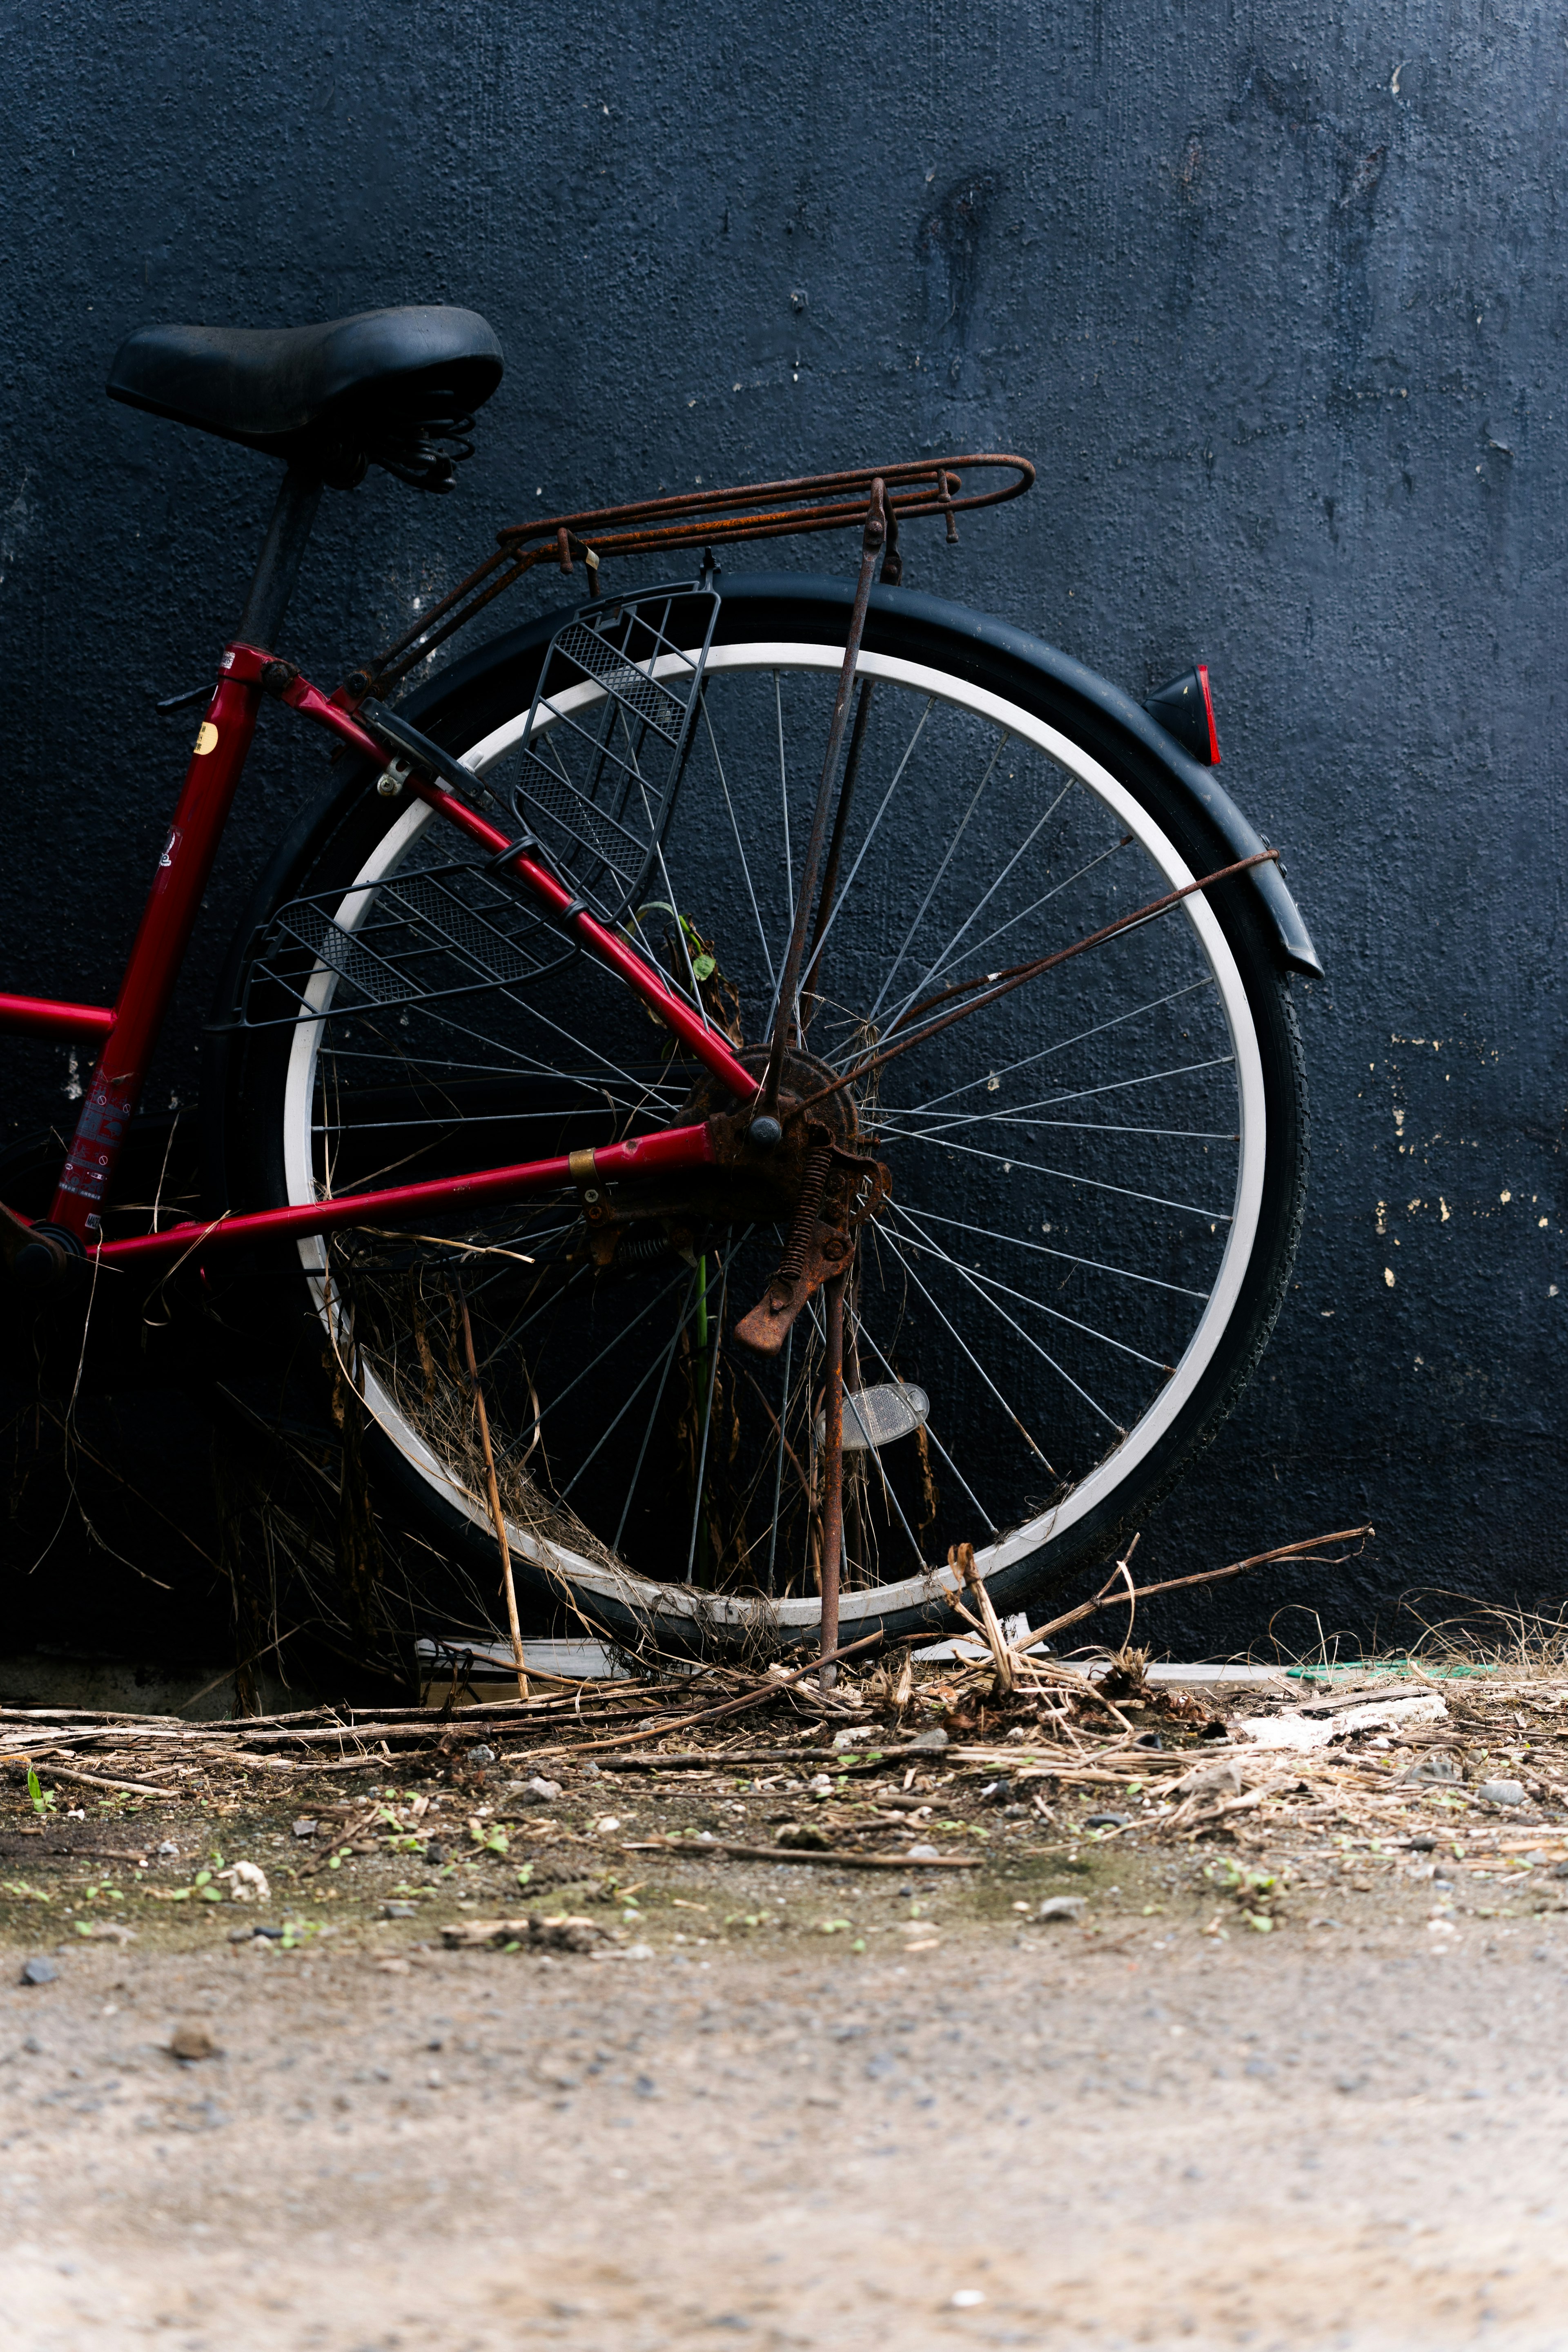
{"points": [[778, 1474], [1030, 1341], [849, 1403], [697, 1005], [1084, 1094], [345, 1052], [607, 1433], [457, 1118], [1046, 1053], [949, 855], [714, 1342], [976, 1274], [1015, 1241], [944, 955], [653, 1416], [546, 1306], [987, 1519], [892, 1241], [740, 851], [1022, 917], [461, 1029], [615, 1341], [847, 887], [784, 805], [1072, 1126], [1066, 1176]]}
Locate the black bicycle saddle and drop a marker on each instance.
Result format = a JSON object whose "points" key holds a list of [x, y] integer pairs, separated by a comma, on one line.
{"points": [[330, 398]]}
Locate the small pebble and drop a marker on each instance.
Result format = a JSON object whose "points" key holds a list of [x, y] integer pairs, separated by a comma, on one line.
{"points": [[481, 1756], [192, 2043], [304, 1826], [967, 2297], [922, 1854], [397, 1910], [38, 1971], [1502, 1793], [1105, 1821], [935, 1738], [1063, 1907]]}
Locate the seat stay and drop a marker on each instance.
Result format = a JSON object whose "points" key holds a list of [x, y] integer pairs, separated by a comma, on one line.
{"points": [[512, 860]]}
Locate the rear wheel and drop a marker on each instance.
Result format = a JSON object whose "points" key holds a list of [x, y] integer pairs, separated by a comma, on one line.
{"points": [[1097, 1182]]}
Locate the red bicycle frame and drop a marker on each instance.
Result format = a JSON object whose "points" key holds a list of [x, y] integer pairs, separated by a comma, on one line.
{"points": [[129, 1033]]}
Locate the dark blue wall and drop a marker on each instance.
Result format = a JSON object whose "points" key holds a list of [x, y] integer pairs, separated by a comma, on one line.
{"points": [[1275, 296]]}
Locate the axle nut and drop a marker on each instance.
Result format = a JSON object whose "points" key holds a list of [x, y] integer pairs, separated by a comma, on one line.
{"points": [[765, 1132]]}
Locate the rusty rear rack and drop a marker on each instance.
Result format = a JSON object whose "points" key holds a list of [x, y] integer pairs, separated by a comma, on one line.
{"points": [[947, 487]]}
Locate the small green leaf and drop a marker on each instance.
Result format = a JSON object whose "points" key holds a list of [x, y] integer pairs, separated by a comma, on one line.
{"points": [[703, 967], [202, 1878], [525, 1873]]}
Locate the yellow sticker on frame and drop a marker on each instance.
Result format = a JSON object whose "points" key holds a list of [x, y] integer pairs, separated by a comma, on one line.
{"points": [[206, 740]]}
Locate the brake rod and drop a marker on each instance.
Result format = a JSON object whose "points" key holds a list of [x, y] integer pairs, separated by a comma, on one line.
{"points": [[997, 984]]}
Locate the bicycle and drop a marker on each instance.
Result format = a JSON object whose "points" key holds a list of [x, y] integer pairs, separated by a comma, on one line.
{"points": [[665, 1132]]}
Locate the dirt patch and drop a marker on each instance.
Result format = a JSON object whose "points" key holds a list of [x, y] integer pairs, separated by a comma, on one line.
{"points": [[1277, 2079]]}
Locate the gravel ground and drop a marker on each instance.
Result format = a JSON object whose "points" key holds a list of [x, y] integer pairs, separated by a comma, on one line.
{"points": [[775, 2102]]}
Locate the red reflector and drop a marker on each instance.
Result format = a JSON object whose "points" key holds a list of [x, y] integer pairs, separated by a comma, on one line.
{"points": [[1208, 714]]}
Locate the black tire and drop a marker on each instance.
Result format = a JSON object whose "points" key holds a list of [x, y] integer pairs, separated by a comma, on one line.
{"points": [[330, 848]]}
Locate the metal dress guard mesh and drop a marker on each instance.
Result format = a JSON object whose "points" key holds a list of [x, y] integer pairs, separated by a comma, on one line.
{"points": [[441, 931], [607, 739], [602, 758]]}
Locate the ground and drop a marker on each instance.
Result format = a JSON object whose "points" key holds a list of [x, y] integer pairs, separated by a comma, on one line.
{"points": [[781, 2102]]}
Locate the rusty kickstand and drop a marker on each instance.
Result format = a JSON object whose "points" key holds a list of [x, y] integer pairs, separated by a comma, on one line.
{"points": [[497, 1516]]}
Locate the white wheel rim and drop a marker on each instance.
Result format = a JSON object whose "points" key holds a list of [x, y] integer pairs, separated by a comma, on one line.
{"points": [[647, 1594]]}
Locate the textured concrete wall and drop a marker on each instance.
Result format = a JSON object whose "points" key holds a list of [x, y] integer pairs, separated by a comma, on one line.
{"points": [[1274, 294]]}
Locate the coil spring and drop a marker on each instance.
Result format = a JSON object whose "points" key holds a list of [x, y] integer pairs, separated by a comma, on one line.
{"points": [[642, 1249], [792, 1266]]}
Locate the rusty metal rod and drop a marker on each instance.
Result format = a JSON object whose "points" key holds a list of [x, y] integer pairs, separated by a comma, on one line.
{"points": [[997, 984], [496, 1513], [872, 541], [808, 987], [832, 1482]]}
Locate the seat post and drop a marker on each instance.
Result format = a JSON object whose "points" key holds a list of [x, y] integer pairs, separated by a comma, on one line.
{"points": [[288, 536]]}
